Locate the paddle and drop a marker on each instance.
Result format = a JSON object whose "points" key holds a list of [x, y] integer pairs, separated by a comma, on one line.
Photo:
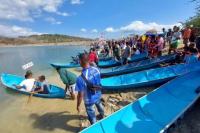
{"points": [[30, 97]]}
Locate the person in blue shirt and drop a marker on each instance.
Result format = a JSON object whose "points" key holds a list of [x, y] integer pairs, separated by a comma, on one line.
{"points": [[91, 95], [41, 86], [191, 56]]}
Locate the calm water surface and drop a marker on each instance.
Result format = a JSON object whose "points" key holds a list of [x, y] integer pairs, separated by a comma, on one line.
{"points": [[11, 61]]}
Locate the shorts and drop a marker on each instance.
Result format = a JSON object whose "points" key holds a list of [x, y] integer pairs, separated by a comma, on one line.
{"points": [[72, 88], [174, 45]]}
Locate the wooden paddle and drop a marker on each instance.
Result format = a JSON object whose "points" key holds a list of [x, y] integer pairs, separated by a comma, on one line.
{"points": [[30, 97]]}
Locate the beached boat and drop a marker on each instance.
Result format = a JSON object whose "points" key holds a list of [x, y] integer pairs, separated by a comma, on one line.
{"points": [[148, 77], [136, 66], [65, 65], [113, 62], [105, 58], [155, 112], [102, 64], [9, 80]]}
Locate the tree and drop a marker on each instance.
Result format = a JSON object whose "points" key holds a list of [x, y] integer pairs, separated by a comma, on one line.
{"points": [[195, 21]]}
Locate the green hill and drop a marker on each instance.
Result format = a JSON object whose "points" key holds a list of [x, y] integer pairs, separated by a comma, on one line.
{"points": [[44, 38]]}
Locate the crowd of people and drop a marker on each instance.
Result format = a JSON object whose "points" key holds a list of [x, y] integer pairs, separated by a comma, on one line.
{"points": [[153, 43], [88, 84]]}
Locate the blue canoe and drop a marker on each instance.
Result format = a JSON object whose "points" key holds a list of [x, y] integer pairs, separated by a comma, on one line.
{"points": [[147, 77], [103, 58], [136, 66], [102, 64], [64, 65], [113, 62], [9, 80], [155, 112]]}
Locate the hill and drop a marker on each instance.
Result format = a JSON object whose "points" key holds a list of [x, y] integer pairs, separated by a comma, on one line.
{"points": [[41, 39]]}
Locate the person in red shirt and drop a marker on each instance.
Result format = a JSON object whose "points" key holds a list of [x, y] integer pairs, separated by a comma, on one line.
{"points": [[93, 59]]}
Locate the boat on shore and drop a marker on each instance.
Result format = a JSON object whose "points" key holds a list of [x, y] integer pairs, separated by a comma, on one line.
{"points": [[8, 80], [148, 77], [136, 66], [114, 63], [155, 112], [102, 64], [65, 65]]}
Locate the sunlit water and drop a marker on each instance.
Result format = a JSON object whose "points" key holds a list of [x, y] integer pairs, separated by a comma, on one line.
{"points": [[41, 115]]}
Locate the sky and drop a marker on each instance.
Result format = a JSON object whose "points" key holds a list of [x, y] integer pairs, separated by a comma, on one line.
{"points": [[90, 18]]}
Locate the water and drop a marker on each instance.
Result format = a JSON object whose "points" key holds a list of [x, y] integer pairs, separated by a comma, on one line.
{"points": [[15, 115]]}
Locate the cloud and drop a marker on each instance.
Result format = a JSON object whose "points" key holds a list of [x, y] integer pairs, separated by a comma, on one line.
{"points": [[65, 14], [83, 30], [24, 10], [139, 26], [76, 2], [94, 31], [15, 31], [110, 29], [53, 20]]}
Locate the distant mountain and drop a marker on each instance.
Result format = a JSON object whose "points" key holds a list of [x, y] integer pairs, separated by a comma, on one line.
{"points": [[44, 38]]}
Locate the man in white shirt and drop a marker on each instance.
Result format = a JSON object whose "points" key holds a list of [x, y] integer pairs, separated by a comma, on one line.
{"points": [[28, 83]]}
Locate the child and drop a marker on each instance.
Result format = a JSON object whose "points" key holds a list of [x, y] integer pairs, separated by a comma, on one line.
{"points": [[41, 86]]}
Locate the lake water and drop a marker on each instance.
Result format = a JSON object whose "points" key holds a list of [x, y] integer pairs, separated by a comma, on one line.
{"points": [[15, 115]]}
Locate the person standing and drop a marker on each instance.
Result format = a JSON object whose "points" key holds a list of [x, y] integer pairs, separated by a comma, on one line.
{"points": [[127, 53], [164, 37], [69, 79], [93, 59], [117, 51], [186, 36], [88, 86], [169, 36], [175, 39], [160, 45]]}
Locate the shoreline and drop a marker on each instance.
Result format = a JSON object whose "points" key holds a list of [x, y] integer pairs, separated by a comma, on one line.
{"points": [[74, 43]]}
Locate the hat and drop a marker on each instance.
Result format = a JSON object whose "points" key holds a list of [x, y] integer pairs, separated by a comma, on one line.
{"points": [[28, 73]]}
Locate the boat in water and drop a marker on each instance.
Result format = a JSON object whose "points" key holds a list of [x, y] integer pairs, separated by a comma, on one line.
{"points": [[9, 80], [136, 66], [148, 77], [155, 112]]}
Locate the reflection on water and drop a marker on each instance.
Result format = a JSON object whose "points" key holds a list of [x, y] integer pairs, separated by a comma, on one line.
{"points": [[13, 104]]}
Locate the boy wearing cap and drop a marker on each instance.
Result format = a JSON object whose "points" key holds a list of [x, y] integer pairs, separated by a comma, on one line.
{"points": [[28, 83]]}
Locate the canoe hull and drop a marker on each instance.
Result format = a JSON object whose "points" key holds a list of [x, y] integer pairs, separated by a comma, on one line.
{"points": [[148, 77], [59, 65], [113, 63], [155, 112], [134, 67]]}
